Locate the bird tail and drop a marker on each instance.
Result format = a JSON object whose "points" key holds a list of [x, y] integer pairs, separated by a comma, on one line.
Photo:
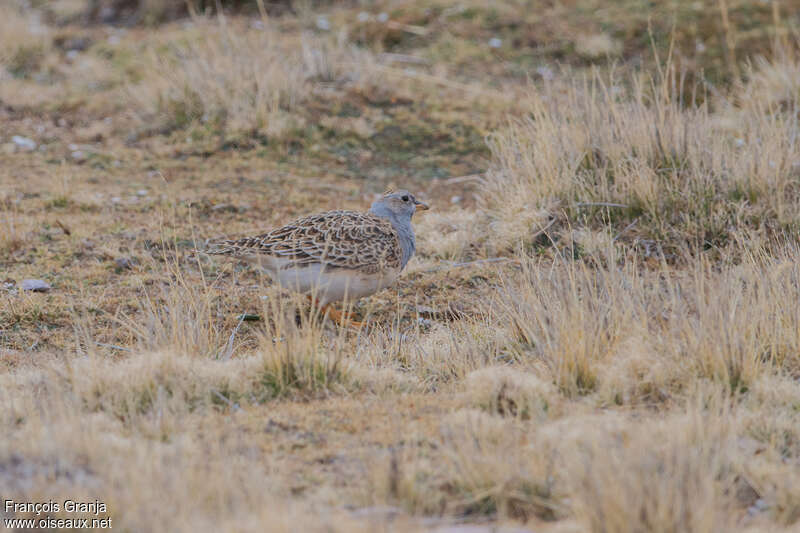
{"points": [[212, 247]]}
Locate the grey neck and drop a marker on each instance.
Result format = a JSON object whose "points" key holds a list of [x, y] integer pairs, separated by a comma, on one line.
{"points": [[405, 233]]}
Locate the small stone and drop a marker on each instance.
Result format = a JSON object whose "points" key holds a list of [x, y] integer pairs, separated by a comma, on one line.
{"points": [[545, 72], [383, 17], [425, 310], [478, 528], [75, 44], [125, 263], [142, 192], [323, 23], [35, 285], [23, 143], [378, 511], [494, 42], [78, 155], [455, 200]]}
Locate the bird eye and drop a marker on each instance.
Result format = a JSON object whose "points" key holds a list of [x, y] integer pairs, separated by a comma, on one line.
{"points": [[404, 198]]}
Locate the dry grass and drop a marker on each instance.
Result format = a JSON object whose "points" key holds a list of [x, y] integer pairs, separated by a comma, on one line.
{"points": [[635, 335], [24, 42], [599, 333], [235, 77], [670, 475], [687, 174]]}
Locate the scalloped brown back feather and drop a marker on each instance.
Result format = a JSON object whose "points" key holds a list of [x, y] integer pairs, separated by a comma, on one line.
{"points": [[337, 239]]}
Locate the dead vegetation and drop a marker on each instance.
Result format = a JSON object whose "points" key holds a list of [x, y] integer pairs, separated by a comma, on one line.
{"points": [[599, 332]]}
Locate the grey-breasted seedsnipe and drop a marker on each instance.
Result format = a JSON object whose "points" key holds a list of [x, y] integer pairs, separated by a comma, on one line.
{"points": [[338, 255]]}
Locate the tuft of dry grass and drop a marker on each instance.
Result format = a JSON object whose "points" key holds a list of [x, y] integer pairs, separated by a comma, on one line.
{"points": [[668, 476], [24, 40], [231, 76], [636, 336], [13, 236], [509, 391], [644, 152], [476, 465]]}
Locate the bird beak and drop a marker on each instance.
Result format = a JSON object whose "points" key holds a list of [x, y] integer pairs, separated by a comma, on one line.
{"points": [[421, 205]]}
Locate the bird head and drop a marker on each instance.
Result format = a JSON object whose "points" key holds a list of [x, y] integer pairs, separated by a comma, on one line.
{"points": [[397, 204]]}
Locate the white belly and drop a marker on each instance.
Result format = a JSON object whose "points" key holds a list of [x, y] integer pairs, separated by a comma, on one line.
{"points": [[329, 286]]}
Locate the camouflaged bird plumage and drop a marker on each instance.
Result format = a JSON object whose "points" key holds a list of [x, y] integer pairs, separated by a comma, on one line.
{"points": [[338, 239]]}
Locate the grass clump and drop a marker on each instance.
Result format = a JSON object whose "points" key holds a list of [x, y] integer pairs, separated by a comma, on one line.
{"points": [[666, 476], [479, 466], [633, 336], [510, 391], [297, 364], [612, 151], [213, 78], [24, 41], [564, 320]]}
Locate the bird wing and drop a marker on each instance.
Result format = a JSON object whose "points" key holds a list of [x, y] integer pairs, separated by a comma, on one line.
{"points": [[337, 239]]}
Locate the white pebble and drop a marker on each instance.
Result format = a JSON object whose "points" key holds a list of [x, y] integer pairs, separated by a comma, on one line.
{"points": [[494, 42], [323, 23], [23, 143], [383, 17], [35, 285], [545, 72]]}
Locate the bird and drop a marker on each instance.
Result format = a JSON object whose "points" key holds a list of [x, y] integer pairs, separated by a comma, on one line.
{"points": [[337, 255]]}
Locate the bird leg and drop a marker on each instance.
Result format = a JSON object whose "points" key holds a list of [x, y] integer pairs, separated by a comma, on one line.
{"points": [[343, 318]]}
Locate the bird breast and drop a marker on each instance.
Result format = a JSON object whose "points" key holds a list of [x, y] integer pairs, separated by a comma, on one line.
{"points": [[329, 285]]}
